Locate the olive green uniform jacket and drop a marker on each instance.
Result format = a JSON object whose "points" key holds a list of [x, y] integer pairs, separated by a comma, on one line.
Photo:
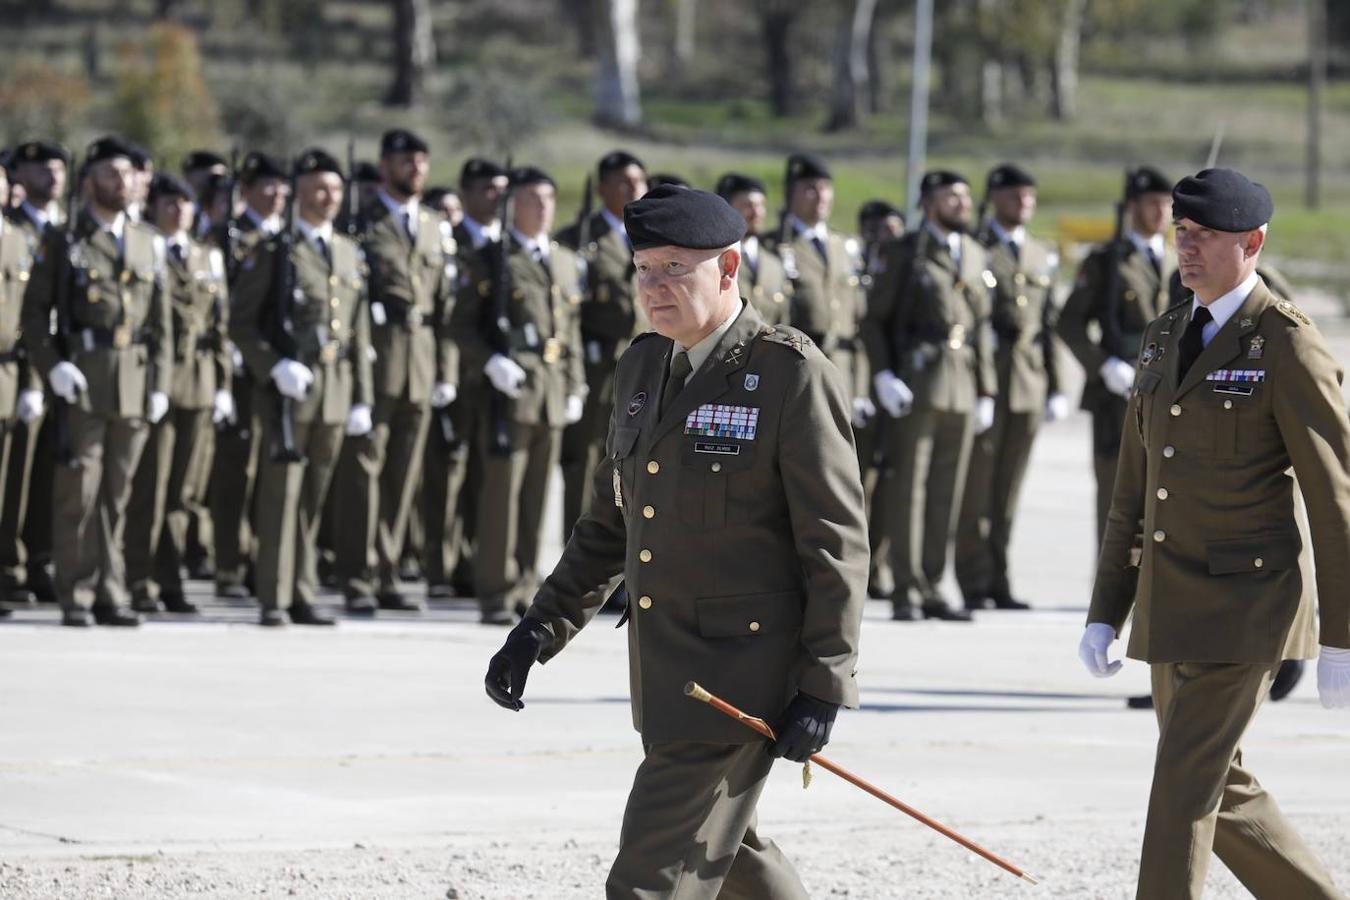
{"points": [[16, 267]]}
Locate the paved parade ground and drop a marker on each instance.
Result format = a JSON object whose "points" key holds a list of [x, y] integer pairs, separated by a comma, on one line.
{"points": [[214, 758]]}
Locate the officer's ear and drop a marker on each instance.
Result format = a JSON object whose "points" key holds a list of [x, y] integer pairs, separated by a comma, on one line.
{"points": [[1255, 241], [729, 264]]}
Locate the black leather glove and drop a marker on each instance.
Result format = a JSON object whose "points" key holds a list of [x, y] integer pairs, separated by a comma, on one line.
{"points": [[804, 728], [508, 670]]}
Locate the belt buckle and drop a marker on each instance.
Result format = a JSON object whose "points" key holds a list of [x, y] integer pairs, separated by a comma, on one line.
{"points": [[552, 350], [414, 317], [956, 338], [122, 336], [328, 353]]}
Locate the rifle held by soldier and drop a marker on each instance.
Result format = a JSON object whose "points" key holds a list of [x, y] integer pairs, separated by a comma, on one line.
{"points": [[499, 325], [65, 289], [282, 338]]}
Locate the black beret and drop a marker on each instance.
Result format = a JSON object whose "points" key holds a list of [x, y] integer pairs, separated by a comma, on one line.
{"points": [[40, 151], [615, 160], [6, 158], [109, 147], [217, 183], [879, 209], [805, 165], [1147, 180], [163, 184], [1009, 175], [1222, 199], [733, 183], [434, 195], [140, 156], [401, 140], [203, 159], [939, 178], [521, 176], [365, 170], [315, 160], [682, 217], [477, 169], [260, 165]]}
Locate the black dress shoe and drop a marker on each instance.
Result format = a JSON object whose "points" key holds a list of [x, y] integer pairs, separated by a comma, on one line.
{"points": [[202, 570], [1291, 671], [441, 592], [233, 592], [18, 595], [497, 617], [116, 617], [1142, 701], [1008, 601], [272, 618], [943, 612], [76, 618], [41, 586], [904, 612], [361, 606], [980, 601], [395, 600], [144, 603], [308, 615], [178, 605], [409, 570], [5, 612]]}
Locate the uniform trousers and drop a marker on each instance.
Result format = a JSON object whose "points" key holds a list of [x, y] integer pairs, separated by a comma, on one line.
{"points": [[449, 511], [233, 480], [583, 443], [167, 487], [511, 513]]}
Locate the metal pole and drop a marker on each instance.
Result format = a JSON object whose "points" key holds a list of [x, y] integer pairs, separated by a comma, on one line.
{"points": [[918, 103], [1317, 77]]}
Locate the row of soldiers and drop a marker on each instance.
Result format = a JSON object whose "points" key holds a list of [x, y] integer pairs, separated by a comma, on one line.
{"points": [[307, 375]]}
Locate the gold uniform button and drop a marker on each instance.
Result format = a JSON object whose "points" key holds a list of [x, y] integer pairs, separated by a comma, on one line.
{"points": [[333, 302], [1258, 562], [336, 324], [653, 467], [1228, 404], [716, 467], [645, 556], [754, 626], [333, 279], [1021, 300], [648, 512], [1176, 409], [645, 602], [1159, 536], [1169, 451], [1162, 493]]}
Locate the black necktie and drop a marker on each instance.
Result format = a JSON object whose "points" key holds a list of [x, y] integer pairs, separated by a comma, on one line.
{"points": [[322, 245], [177, 250], [1016, 249], [407, 224], [679, 371], [1192, 342], [820, 247], [1153, 261]]}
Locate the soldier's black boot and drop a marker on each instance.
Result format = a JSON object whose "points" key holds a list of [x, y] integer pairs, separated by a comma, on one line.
{"points": [[304, 614], [115, 616], [936, 607], [1005, 600]]}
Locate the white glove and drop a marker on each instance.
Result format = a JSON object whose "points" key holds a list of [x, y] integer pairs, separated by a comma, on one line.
{"points": [[576, 405], [443, 394], [1118, 376], [984, 414], [67, 381], [505, 374], [222, 407], [30, 406], [863, 409], [1056, 408], [895, 396], [1097, 637], [1333, 678], [293, 379], [157, 407], [358, 420]]}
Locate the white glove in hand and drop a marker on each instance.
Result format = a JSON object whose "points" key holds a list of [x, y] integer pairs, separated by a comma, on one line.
{"points": [[1333, 678], [984, 414], [157, 407], [895, 396], [358, 420], [505, 374], [1097, 638], [30, 406], [1118, 375], [222, 407], [67, 381], [576, 405], [863, 409], [1056, 408], [443, 394], [293, 379]]}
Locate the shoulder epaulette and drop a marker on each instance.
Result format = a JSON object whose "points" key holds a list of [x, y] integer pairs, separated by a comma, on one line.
{"points": [[786, 336], [1292, 313], [642, 337]]}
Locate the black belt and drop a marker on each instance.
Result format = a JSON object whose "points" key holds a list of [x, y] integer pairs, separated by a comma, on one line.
{"points": [[15, 355], [206, 342], [121, 337], [406, 314]]}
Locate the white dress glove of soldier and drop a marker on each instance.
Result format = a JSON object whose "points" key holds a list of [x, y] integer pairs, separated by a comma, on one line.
{"points": [[1333, 678], [358, 420], [1118, 375], [292, 378], [505, 374], [157, 407], [1097, 639], [30, 406], [863, 409], [1057, 408], [895, 396], [222, 407], [984, 414], [576, 405], [67, 381], [443, 394]]}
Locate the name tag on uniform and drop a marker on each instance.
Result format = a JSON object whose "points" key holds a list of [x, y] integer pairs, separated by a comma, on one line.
{"points": [[717, 447], [722, 421], [1238, 376]]}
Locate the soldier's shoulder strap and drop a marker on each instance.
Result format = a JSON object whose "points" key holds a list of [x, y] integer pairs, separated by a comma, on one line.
{"points": [[645, 335], [1292, 312], [786, 336]]}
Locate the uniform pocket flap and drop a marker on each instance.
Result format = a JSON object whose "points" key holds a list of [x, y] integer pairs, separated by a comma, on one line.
{"points": [[1146, 382], [749, 614], [622, 441], [1255, 554]]}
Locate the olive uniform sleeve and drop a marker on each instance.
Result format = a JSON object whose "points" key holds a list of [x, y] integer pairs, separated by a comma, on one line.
{"points": [[447, 350], [1083, 307], [1050, 342], [251, 287], [160, 323], [466, 319], [49, 265], [220, 336], [363, 385], [1113, 591], [986, 373], [877, 326]]}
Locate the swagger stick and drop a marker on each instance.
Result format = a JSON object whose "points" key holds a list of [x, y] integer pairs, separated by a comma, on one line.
{"points": [[691, 689]]}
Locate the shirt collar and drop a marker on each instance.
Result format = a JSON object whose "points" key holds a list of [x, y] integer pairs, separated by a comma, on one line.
{"points": [[613, 221], [1226, 306], [480, 234], [1156, 243], [952, 239], [313, 233], [750, 247], [1017, 236], [699, 353], [36, 215], [537, 244], [116, 227], [820, 231], [408, 208], [270, 225]]}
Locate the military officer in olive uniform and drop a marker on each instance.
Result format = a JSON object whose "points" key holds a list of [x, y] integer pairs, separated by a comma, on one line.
{"points": [[535, 366], [410, 252], [730, 501], [610, 317], [324, 373], [265, 188], [171, 479], [1233, 388], [931, 344], [1024, 313], [1103, 328], [111, 362], [763, 279]]}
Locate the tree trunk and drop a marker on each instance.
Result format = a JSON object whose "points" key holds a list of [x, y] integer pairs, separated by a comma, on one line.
{"points": [[583, 15], [851, 74], [776, 25], [682, 46], [617, 100], [1064, 63], [414, 52]]}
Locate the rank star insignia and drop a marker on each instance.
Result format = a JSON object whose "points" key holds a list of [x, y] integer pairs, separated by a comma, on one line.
{"points": [[635, 405], [1246, 323], [1256, 348], [751, 382]]}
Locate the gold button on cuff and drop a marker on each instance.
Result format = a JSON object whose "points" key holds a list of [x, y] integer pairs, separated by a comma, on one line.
{"points": [[754, 626], [648, 512], [1175, 410], [1169, 451], [1228, 404], [1162, 493], [645, 556], [1258, 562], [716, 467], [653, 467], [1159, 536], [645, 602]]}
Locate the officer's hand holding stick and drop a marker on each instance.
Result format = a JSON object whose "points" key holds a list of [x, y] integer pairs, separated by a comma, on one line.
{"points": [[693, 690]]}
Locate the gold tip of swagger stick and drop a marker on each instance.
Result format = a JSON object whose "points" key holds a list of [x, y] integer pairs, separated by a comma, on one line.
{"points": [[1028, 878], [691, 689]]}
